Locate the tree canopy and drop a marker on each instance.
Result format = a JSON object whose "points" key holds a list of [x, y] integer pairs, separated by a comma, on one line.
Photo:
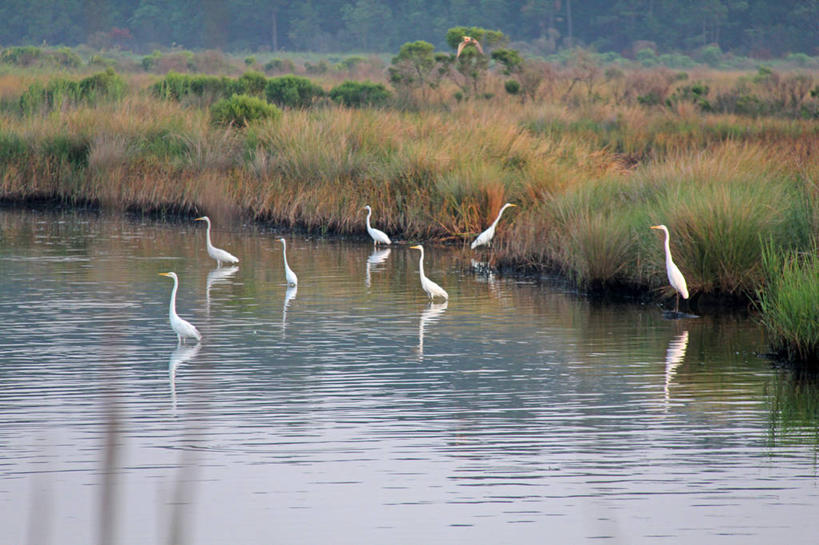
{"points": [[758, 28]]}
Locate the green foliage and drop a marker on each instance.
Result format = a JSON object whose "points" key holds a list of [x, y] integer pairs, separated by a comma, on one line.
{"points": [[512, 86], [647, 57], [321, 67], [696, 93], [250, 61], [292, 91], [711, 55], [509, 59], [789, 302], [106, 85], [253, 83], [360, 93], [176, 86], [240, 110], [351, 63], [21, 56], [149, 62], [279, 66]]}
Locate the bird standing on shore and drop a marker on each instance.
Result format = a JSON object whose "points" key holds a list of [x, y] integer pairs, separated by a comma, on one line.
{"points": [[675, 277], [290, 276], [433, 290], [468, 40], [221, 256], [183, 328], [485, 238], [378, 236]]}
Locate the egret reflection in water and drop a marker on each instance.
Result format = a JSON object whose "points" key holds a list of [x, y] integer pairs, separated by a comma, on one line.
{"points": [[673, 358], [376, 258], [430, 315], [289, 295], [179, 356], [217, 276]]}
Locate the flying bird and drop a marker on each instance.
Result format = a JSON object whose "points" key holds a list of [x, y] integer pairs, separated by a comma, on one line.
{"points": [[675, 277], [468, 40]]}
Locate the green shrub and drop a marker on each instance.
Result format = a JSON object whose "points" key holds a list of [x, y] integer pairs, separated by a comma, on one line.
{"points": [[279, 65], [647, 57], [149, 62], [253, 83], [711, 55], [242, 109], [106, 85], [21, 56], [360, 93], [512, 86], [176, 86], [250, 61], [292, 91]]}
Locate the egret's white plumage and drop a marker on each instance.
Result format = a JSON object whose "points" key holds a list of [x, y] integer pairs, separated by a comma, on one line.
{"points": [[468, 40], [290, 276], [183, 328], [221, 256], [485, 238], [378, 236], [433, 290], [675, 277]]}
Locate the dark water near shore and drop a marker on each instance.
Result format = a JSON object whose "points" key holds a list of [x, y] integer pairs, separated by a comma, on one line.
{"points": [[351, 410]]}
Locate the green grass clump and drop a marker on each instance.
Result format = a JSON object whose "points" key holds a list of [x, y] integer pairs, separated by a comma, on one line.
{"points": [[107, 85], [240, 110], [789, 302], [357, 94], [292, 91]]}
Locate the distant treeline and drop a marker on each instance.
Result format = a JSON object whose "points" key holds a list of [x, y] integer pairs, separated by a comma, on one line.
{"points": [[758, 28]]}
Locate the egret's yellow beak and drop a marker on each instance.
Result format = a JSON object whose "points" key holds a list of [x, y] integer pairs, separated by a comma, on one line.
{"points": [[512, 205], [655, 227], [164, 274], [417, 247], [200, 219]]}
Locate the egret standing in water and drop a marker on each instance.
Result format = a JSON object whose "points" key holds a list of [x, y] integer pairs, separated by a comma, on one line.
{"points": [[221, 256], [433, 290], [292, 279], [675, 277], [183, 328], [485, 238], [379, 237]]}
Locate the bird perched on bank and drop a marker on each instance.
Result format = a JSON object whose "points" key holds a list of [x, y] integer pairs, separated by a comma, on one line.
{"points": [[433, 290], [378, 236], [485, 238], [289, 275], [675, 277], [468, 40], [221, 256], [183, 328]]}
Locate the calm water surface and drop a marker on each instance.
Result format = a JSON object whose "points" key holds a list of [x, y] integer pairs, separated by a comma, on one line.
{"points": [[352, 411]]}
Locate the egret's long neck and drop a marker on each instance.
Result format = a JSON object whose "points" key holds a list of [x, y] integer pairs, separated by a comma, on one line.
{"points": [[172, 310], [494, 223], [207, 236], [667, 248], [369, 213], [421, 264], [284, 254]]}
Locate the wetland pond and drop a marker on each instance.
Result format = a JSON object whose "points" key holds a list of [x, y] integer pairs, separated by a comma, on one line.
{"points": [[352, 411]]}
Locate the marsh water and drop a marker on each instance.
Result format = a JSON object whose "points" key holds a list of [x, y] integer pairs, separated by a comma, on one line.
{"points": [[351, 410]]}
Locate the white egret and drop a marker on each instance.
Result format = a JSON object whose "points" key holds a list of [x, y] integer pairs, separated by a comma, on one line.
{"points": [[379, 237], [485, 238], [376, 258], [673, 358], [292, 279], [221, 256], [183, 328], [433, 290], [675, 277]]}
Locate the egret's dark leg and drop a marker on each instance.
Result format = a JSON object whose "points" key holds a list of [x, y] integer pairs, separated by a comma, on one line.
{"points": [[677, 305]]}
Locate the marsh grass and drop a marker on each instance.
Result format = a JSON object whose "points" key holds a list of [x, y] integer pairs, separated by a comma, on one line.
{"points": [[788, 300], [589, 180]]}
